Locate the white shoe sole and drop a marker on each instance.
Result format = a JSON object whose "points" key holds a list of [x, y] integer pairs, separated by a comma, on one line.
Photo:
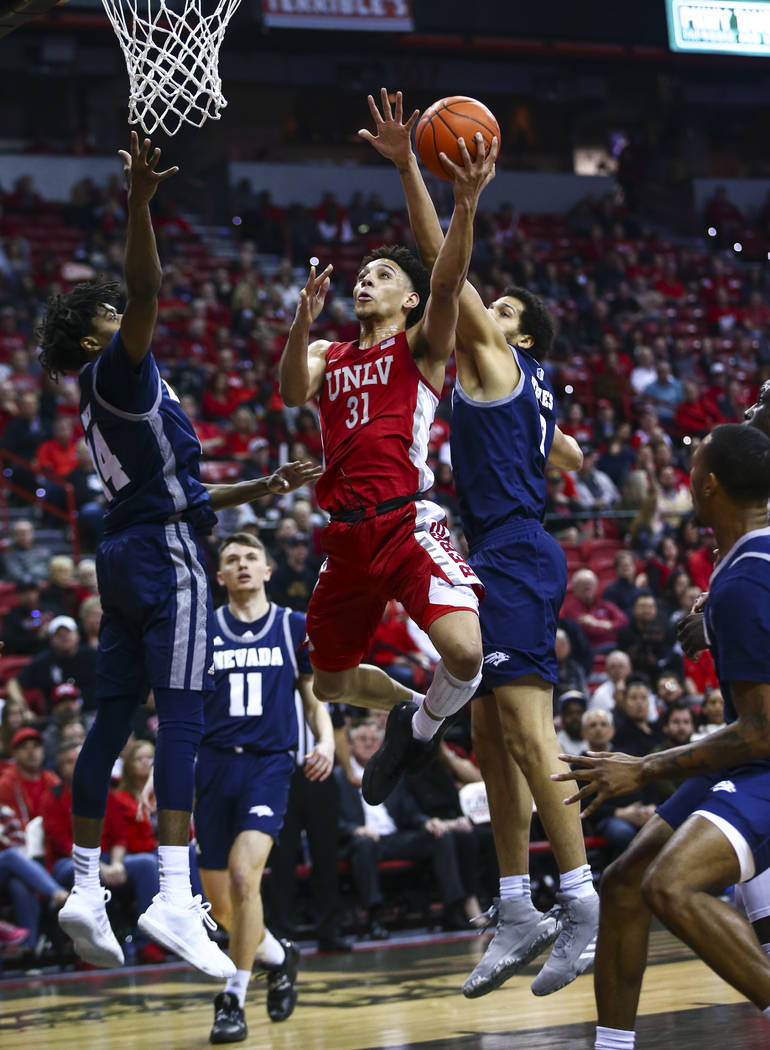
{"points": [[80, 931], [166, 939]]}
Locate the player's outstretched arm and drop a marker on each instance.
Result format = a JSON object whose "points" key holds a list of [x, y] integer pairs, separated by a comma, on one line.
{"points": [[565, 452], [287, 478], [320, 762], [476, 331], [744, 740], [141, 264], [436, 332], [301, 369]]}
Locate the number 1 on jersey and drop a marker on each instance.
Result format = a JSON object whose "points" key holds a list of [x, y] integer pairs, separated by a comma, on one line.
{"points": [[245, 694], [543, 431]]}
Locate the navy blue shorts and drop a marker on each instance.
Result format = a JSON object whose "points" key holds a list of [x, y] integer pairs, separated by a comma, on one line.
{"points": [[234, 793], [157, 604], [524, 572], [740, 800]]}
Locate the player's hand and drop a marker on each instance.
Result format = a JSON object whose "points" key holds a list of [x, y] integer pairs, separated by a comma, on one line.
{"points": [[293, 476], [320, 761], [470, 177], [436, 827], [147, 801], [394, 137], [700, 601], [608, 773], [313, 296], [139, 166], [369, 833], [692, 635]]}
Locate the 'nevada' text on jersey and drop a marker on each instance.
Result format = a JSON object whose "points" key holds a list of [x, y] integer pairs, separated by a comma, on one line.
{"points": [[256, 666]]}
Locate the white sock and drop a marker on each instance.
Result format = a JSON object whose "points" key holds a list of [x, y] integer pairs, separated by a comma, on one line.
{"points": [[578, 882], [445, 696], [238, 984], [614, 1039], [270, 951], [174, 874], [86, 862], [514, 886]]}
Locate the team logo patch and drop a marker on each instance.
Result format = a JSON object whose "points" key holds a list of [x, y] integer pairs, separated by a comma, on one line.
{"points": [[261, 811], [724, 785], [540, 374], [495, 659]]}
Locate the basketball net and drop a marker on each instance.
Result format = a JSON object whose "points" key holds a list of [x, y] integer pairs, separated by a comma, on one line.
{"points": [[172, 60]]}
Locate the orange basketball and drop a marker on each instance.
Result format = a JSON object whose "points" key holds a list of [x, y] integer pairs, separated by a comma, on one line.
{"points": [[448, 120]]}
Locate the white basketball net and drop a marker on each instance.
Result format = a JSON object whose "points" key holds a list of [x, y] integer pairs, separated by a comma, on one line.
{"points": [[172, 58]]}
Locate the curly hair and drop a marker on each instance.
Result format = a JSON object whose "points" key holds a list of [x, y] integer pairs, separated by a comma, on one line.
{"points": [[535, 319], [67, 319], [413, 269]]}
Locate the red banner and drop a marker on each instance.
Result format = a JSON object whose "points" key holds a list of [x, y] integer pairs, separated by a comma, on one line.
{"points": [[381, 15]]}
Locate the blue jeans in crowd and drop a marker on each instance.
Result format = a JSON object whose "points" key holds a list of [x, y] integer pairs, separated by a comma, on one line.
{"points": [[25, 881]]}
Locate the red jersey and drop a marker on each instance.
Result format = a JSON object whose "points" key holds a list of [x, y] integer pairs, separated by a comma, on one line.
{"points": [[376, 414]]}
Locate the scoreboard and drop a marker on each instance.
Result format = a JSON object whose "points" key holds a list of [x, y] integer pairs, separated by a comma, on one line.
{"points": [[738, 28]]}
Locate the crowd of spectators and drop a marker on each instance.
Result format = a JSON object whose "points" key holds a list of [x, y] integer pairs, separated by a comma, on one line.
{"points": [[656, 342]]}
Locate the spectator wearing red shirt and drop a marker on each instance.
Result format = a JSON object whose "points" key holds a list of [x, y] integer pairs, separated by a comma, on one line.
{"points": [[756, 315], [395, 649], [137, 766], [124, 872], [600, 619], [723, 315], [25, 882], [697, 414], [218, 401], [210, 436], [24, 784], [59, 453]]}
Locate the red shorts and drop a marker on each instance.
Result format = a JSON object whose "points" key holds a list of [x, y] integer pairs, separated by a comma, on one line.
{"points": [[407, 555]]}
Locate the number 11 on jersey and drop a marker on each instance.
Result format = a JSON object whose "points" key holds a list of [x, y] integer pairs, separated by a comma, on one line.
{"points": [[245, 694]]}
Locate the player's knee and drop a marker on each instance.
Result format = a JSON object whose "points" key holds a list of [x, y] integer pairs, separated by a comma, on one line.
{"points": [[618, 883], [464, 660], [244, 883], [660, 893]]}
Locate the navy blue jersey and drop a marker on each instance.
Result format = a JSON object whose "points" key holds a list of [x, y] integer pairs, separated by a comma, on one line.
{"points": [[256, 666], [499, 450], [737, 616], [142, 444]]}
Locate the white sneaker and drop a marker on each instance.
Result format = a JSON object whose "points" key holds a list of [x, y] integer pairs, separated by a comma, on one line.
{"points": [[180, 929], [84, 919]]}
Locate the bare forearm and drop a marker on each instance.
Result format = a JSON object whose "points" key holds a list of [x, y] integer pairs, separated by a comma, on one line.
{"points": [[141, 262], [454, 258], [321, 725], [422, 213], [237, 493], [744, 740], [293, 371]]}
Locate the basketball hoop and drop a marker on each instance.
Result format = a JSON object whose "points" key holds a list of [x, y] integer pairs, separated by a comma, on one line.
{"points": [[172, 58]]}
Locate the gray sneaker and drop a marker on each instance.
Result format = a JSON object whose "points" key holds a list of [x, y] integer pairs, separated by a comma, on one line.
{"points": [[521, 933], [575, 946]]}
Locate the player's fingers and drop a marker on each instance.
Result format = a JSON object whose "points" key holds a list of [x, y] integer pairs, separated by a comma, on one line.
{"points": [[451, 167], [412, 120], [399, 113], [134, 147], [153, 158], [387, 112], [144, 150], [494, 149], [377, 116], [310, 281], [161, 176], [363, 133], [125, 157], [585, 792], [465, 156]]}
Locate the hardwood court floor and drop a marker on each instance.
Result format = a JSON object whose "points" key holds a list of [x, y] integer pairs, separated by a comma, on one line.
{"points": [[404, 998]]}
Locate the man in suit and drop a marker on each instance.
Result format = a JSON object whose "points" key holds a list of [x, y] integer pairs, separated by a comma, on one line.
{"points": [[393, 829]]}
